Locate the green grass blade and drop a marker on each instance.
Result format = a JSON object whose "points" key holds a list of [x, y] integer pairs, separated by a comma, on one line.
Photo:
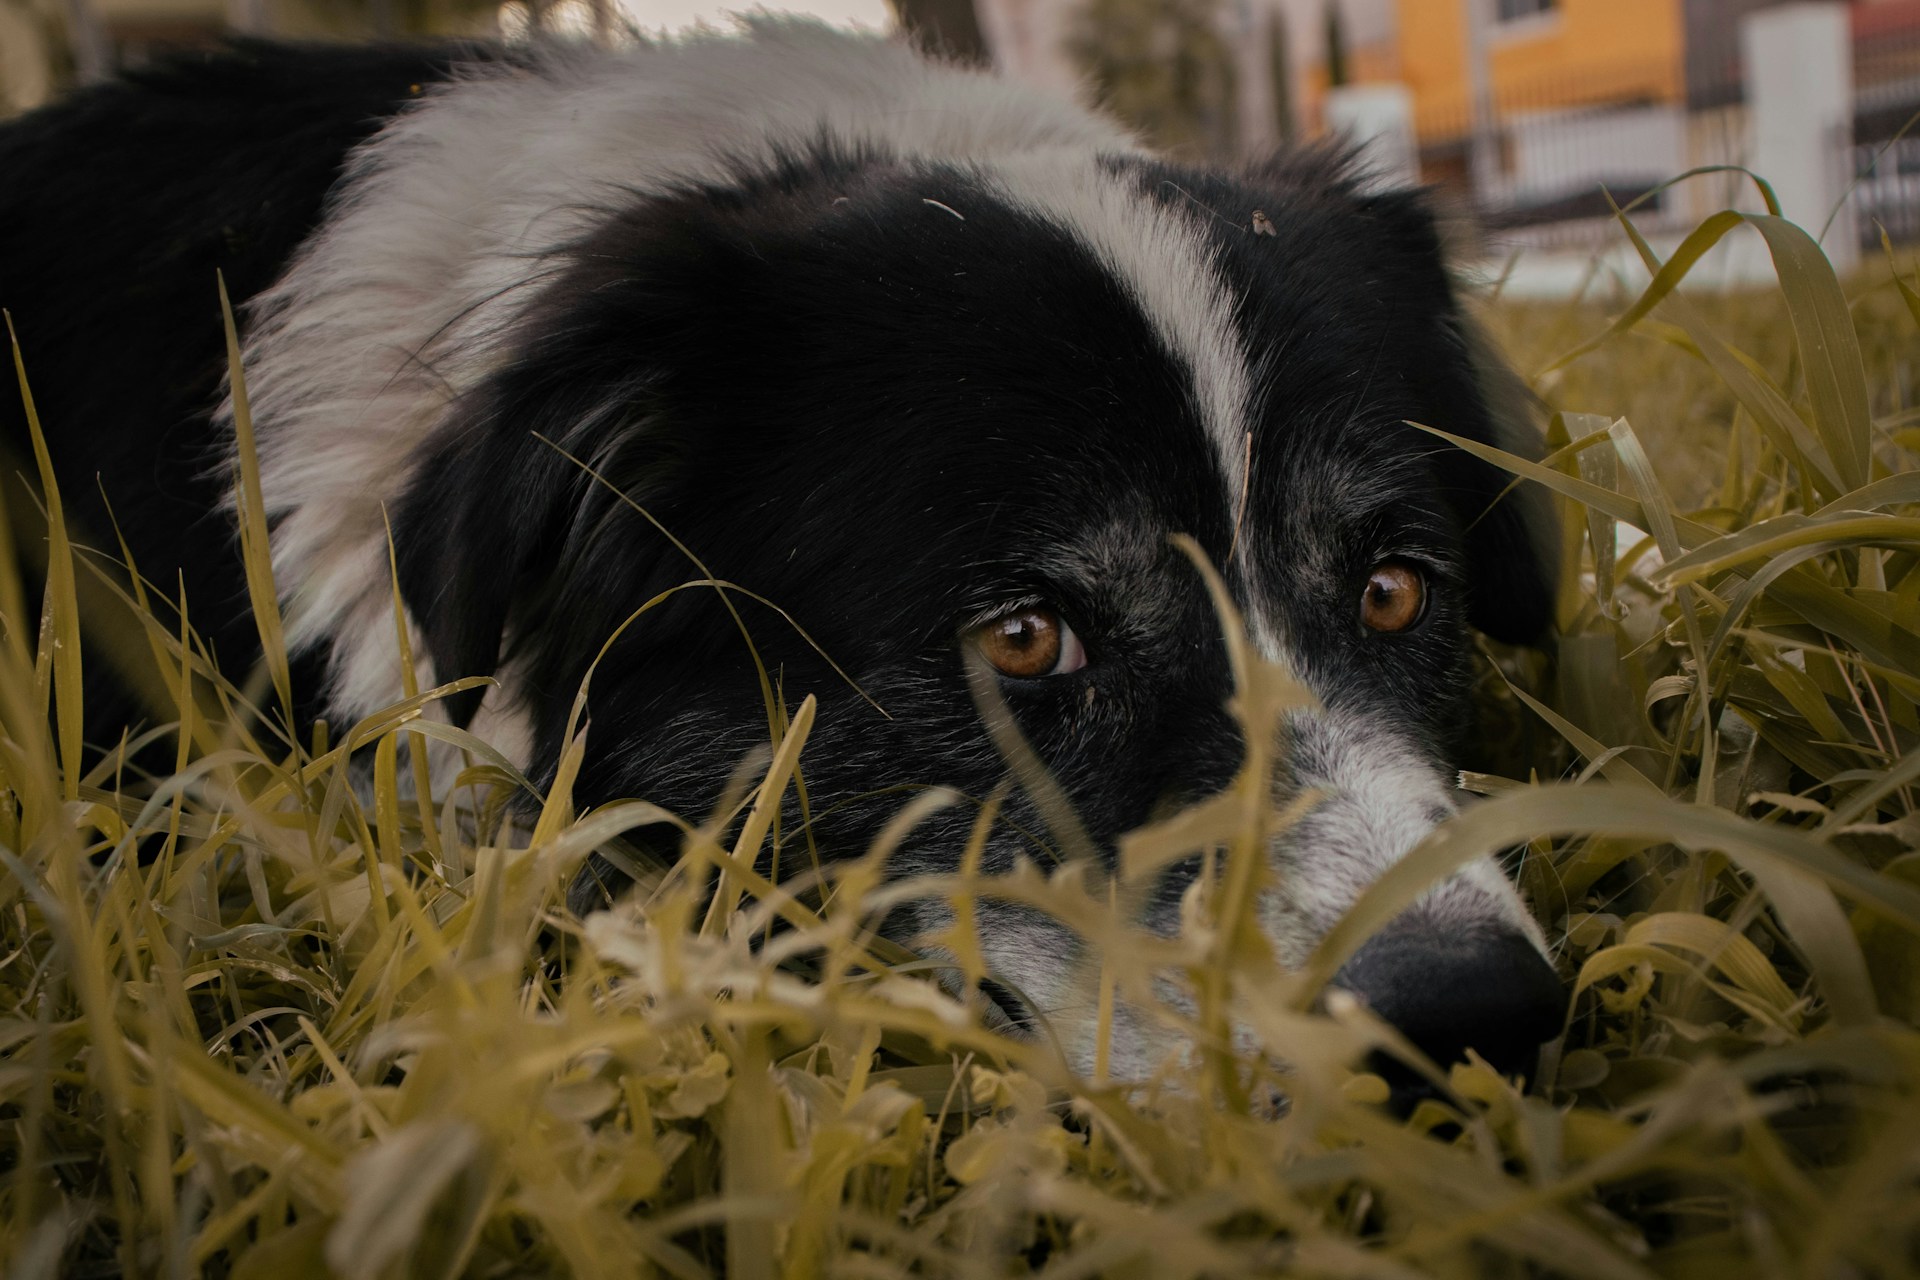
{"points": [[62, 611], [1829, 347], [255, 549]]}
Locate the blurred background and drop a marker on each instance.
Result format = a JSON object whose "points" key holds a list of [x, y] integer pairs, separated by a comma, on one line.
{"points": [[1531, 113]]}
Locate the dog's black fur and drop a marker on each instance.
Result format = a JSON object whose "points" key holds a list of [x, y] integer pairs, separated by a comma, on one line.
{"points": [[121, 204], [873, 389]]}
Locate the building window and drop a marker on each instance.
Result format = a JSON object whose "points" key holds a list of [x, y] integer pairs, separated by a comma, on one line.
{"points": [[1521, 10]]}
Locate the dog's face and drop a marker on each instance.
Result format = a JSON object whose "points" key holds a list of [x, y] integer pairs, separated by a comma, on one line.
{"points": [[939, 412]]}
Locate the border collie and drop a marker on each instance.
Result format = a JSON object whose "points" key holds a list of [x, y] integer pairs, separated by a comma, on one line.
{"points": [[933, 361]]}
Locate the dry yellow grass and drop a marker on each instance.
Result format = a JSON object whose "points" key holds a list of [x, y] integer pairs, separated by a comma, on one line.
{"points": [[260, 1021]]}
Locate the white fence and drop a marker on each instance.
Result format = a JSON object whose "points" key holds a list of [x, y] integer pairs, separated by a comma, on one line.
{"points": [[1548, 176]]}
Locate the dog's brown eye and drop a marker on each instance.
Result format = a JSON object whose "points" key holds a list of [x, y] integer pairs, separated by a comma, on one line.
{"points": [[1030, 643], [1395, 597]]}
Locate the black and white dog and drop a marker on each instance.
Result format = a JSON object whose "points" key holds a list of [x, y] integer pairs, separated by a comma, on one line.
{"points": [[928, 359]]}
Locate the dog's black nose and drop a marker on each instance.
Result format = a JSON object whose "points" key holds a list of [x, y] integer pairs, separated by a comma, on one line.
{"points": [[1488, 991]]}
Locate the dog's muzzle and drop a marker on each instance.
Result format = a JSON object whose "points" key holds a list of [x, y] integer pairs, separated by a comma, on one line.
{"points": [[1482, 988]]}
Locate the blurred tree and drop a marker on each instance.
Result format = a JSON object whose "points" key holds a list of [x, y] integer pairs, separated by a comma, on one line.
{"points": [[949, 28], [1336, 46], [48, 46], [1162, 67], [1280, 67]]}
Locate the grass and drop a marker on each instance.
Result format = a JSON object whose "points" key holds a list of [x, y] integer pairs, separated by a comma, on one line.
{"points": [[260, 1021]]}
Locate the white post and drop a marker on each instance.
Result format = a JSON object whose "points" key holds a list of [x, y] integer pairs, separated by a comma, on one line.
{"points": [[1246, 30], [1379, 118], [1483, 155], [87, 42], [1799, 79], [249, 17]]}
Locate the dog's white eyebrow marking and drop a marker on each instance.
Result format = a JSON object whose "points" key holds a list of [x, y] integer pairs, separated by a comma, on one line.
{"points": [[1159, 253]]}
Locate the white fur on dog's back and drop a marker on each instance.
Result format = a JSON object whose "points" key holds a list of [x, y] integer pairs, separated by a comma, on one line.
{"points": [[448, 217]]}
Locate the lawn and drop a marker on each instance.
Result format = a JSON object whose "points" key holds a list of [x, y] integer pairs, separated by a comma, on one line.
{"points": [[274, 1015]]}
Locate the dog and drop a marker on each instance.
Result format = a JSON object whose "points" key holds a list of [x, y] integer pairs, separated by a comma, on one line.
{"points": [[934, 362]]}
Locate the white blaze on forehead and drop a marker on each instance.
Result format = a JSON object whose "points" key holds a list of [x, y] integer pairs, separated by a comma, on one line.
{"points": [[1263, 629], [1160, 255], [1380, 794]]}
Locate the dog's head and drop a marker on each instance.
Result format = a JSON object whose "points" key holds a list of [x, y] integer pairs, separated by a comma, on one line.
{"points": [[931, 410]]}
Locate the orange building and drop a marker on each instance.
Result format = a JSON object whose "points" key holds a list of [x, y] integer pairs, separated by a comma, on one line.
{"points": [[1541, 55]]}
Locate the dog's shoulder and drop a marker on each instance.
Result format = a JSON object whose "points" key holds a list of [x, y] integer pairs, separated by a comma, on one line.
{"points": [[121, 207], [123, 199]]}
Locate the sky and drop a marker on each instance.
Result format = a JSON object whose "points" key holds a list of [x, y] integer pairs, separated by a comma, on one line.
{"points": [[675, 14]]}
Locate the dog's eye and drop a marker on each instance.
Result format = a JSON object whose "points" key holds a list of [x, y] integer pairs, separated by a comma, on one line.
{"points": [[1030, 643], [1395, 597]]}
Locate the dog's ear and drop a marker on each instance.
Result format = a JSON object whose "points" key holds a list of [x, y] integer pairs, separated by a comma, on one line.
{"points": [[466, 532], [1512, 532], [497, 520]]}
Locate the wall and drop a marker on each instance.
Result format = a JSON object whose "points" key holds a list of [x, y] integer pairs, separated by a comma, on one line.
{"points": [[1584, 52], [1555, 154]]}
